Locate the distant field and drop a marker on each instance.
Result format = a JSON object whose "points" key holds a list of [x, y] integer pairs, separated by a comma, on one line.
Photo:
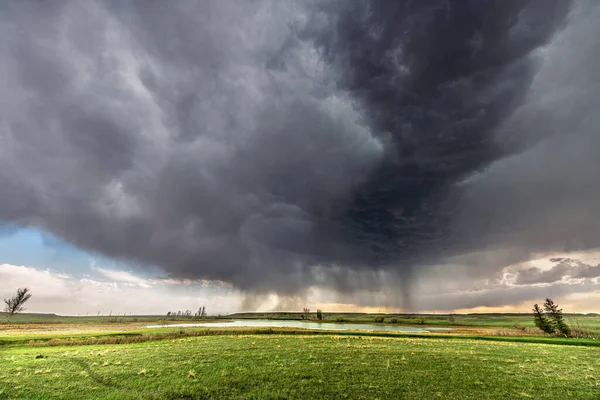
{"points": [[512, 321], [459, 320], [27, 318], [302, 366]]}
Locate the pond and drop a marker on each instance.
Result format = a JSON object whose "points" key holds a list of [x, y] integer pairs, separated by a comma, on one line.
{"points": [[241, 323]]}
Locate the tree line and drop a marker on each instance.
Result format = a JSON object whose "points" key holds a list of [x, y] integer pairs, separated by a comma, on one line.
{"points": [[201, 313]]}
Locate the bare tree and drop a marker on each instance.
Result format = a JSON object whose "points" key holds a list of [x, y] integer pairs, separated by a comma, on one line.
{"points": [[306, 312], [16, 303]]}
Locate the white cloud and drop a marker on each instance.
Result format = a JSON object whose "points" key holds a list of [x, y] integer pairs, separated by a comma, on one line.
{"points": [[123, 292], [120, 292], [124, 276]]}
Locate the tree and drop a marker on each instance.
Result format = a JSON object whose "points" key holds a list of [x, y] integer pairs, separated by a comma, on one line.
{"points": [[540, 320], [306, 313], [555, 313], [202, 312], [319, 314], [16, 303]]}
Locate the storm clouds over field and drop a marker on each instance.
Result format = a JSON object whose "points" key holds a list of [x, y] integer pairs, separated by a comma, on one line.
{"points": [[281, 145]]}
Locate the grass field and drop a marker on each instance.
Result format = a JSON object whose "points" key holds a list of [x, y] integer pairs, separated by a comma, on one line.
{"points": [[44, 357], [302, 366]]}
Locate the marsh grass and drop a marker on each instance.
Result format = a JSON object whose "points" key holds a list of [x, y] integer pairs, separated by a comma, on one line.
{"points": [[518, 332], [583, 328]]}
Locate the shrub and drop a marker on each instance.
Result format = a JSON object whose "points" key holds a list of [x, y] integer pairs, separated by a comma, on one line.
{"points": [[583, 333], [379, 319], [339, 319], [394, 320], [419, 320]]}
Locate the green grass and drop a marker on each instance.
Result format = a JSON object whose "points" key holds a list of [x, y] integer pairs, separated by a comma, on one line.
{"points": [[49, 356], [154, 334], [302, 366]]}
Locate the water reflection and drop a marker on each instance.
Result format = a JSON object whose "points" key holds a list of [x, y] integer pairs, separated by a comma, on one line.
{"points": [[241, 323]]}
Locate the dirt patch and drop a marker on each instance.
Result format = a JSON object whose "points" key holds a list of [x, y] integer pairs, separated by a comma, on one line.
{"points": [[40, 329]]}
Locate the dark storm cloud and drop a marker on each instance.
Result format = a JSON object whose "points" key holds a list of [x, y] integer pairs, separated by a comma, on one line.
{"points": [[545, 198], [201, 137], [436, 78], [250, 142]]}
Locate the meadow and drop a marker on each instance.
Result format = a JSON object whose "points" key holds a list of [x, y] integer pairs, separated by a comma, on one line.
{"points": [[125, 360], [302, 366]]}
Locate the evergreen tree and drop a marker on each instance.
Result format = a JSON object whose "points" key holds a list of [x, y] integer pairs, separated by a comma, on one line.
{"points": [[558, 322], [541, 321]]}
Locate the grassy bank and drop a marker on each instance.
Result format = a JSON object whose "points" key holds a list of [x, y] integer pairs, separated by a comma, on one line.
{"points": [[147, 335], [302, 366]]}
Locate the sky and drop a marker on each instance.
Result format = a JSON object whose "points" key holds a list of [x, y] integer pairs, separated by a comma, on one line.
{"points": [[429, 156]]}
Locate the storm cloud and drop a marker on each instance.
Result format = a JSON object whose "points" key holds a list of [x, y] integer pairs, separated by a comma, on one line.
{"points": [[277, 145]]}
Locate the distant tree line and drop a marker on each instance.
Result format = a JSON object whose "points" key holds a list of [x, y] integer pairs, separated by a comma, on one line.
{"points": [[201, 313], [306, 314]]}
